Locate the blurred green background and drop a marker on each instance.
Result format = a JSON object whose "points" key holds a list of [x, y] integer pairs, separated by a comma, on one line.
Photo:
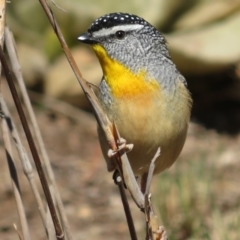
{"points": [[199, 197]]}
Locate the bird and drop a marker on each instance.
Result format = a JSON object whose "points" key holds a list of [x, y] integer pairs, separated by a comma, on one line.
{"points": [[141, 90]]}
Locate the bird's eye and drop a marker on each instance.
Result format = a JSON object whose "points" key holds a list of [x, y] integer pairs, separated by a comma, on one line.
{"points": [[120, 34]]}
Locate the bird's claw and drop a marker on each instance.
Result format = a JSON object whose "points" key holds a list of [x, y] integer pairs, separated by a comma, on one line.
{"points": [[122, 144]]}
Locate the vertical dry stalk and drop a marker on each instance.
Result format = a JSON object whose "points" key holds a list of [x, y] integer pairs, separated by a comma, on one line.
{"points": [[14, 179], [25, 161], [9, 42], [32, 146]]}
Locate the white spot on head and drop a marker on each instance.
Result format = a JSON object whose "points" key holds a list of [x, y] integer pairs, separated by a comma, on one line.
{"points": [[126, 16], [132, 18], [122, 18], [115, 17], [104, 20]]}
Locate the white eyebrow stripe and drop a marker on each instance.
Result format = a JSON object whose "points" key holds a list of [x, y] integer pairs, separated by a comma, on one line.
{"points": [[112, 30]]}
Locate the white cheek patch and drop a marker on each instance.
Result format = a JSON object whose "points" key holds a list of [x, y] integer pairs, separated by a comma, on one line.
{"points": [[109, 31]]}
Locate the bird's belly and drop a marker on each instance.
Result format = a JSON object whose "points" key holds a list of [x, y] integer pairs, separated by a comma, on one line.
{"points": [[148, 128], [149, 124]]}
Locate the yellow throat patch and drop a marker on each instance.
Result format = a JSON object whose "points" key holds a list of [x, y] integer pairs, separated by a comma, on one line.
{"points": [[121, 80]]}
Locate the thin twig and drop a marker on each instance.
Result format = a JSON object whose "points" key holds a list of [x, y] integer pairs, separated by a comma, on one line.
{"points": [[129, 218], [50, 227], [18, 232], [129, 177], [101, 117], [151, 171], [153, 229]]}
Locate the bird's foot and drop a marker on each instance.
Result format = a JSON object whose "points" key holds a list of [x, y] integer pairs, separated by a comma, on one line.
{"points": [[122, 145]]}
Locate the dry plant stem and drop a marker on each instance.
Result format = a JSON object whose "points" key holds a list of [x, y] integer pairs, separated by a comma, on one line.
{"points": [[131, 182], [129, 177], [50, 227], [10, 45], [131, 226], [18, 232], [153, 229], [58, 229], [101, 117], [151, 171], [25, 161], [14, 179]]}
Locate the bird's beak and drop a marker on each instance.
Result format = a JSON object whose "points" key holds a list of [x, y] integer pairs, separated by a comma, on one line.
{"points": [[87, 38]]}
